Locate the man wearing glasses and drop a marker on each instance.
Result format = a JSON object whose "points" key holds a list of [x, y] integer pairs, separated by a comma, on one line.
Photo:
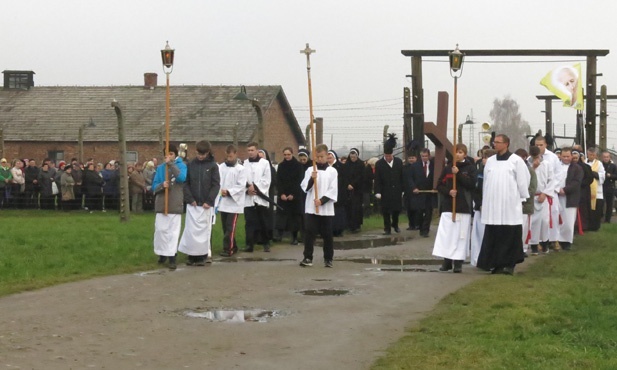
{"points": [[506, 182]]}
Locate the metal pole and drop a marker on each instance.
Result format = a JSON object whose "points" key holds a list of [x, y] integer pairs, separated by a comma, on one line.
{"points": [[260, 123], [125, 207], [167, 143], [235, 131], [454, 147], [308, 51]]}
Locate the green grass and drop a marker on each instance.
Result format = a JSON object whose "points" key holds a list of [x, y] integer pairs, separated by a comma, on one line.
{"points": [[559, 314], [43, 248]]}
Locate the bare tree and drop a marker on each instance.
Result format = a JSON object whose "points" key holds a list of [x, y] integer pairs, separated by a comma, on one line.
{"points": [[507, 120]]}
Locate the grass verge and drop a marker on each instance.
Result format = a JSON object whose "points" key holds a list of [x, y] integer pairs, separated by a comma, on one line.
{"points": [[43, 248], [561, 313]]}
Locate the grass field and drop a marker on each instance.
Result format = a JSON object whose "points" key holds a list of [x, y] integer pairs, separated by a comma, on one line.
{"points": [[43, 248], [559, 314]]}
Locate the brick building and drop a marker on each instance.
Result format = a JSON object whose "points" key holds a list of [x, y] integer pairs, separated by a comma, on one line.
{"points": [[46, 121]]}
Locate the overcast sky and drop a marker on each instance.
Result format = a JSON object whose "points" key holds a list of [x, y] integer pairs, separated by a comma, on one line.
{"points": [[358, 71]]}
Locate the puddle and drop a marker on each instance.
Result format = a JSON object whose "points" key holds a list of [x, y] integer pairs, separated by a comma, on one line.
{"points": [[322, 279], [147, 273], [373, 242], [403, 269], [324, 292], [393, 261], [255, 259], [237, 316]]}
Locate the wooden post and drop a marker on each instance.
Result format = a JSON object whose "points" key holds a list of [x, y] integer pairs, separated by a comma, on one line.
{"points": [[417, 99], [603, 116], [548, 117], [454, 146], [2, 142], [125, 206], [407, 134], [590, 109]]}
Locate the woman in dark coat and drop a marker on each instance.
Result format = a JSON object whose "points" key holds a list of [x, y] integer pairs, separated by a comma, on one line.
{"points": [[289, 175], [93, 187], [339, 223], [354, 168], [45, 179]]}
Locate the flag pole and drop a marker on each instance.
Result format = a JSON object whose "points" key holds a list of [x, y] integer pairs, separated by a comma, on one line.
{"points": [[308, 51], [454, 147]]}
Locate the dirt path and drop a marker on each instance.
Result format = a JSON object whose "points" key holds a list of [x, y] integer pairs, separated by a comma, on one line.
{"points": [[139, 320]]}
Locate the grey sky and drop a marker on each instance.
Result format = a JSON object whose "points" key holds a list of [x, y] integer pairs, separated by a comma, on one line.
{"points": [[358, 59]]}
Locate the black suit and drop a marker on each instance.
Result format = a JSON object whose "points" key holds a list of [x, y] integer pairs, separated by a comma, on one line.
{"points": [[389, 183], [609, 189], [423, 203]]}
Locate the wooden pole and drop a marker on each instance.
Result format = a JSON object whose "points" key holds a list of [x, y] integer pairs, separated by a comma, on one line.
{"points": [[308, 51], [603, 116], [454, 147], [167, 144], [125, 206]]}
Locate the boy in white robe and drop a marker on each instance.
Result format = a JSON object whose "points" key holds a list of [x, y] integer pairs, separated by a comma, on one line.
{"points": [[167, 226], [259, 178], [319, 212], [200, 191], [541, 219], [230, 202]]}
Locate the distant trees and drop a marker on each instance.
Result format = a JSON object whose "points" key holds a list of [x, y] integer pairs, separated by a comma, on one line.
{"points": [[506, 119]]}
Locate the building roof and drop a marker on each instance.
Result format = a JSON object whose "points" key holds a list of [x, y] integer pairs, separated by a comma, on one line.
{"points": [[48, 113]]}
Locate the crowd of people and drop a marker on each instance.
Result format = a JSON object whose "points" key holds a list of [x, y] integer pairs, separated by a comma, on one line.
{"points": [[495, 209], [69, 186]]}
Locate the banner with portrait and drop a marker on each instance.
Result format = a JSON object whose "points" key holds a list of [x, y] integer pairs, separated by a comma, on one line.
{"points": [[566, 83]]}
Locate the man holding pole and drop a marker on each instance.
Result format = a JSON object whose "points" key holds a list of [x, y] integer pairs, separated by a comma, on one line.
{"points": [[323, 181], [167, 225]]}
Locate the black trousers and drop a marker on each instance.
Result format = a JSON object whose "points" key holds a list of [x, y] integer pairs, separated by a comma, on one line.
{"points": [[596, 215], [423, 219], [314, 224], [229, 221], [257, 225], [609, 197], [390, 220]]}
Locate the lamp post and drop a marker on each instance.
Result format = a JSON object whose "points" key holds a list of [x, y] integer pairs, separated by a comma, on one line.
{"points": [[167, 55], [260, 115], [456, 71]]}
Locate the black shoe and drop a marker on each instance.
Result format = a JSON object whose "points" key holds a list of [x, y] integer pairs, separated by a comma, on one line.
{"points": [[328, 263], [411, 228], [267, 247], [397, 230], [225, 254], [424, 235], [507, 271], [458, 267], [446, 265], [190, 263], [248, 249], [387, 233], [208, 259], [306, 262], [200, 263], [497, 271], [162, 260], [172, 263], [294, 242]]}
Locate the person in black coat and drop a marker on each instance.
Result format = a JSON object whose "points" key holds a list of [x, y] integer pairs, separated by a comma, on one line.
{"points": [[584, 206], [421, 183], [339, 223], [411, 210], [608, 187], [389, 186], [289, 175], [93, 187], [354, 170]]}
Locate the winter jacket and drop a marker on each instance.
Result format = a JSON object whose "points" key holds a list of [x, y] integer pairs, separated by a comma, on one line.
{"points": [[203, 181], [177, 176]]}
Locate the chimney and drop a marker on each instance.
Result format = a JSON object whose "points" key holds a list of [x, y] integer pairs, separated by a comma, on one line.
{"points": [[150, 80]]}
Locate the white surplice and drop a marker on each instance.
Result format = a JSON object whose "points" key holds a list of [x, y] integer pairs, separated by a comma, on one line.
{"points": [[327, 186], [505, 187], [452, 239], [540, 219], [477, 234], [197, 231], [234, 180], [166, 234]]}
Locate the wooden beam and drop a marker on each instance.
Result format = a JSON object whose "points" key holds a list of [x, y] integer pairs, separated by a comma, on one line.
{"points": [[510, 52]]}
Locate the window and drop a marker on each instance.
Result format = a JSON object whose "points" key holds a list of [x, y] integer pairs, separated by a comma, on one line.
{"points": [[56, 155], [131, 157], [18, 80]]}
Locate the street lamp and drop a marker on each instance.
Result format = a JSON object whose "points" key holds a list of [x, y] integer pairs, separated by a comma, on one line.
{"points": [[167, 55], [260, 116], [456, 71]]}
